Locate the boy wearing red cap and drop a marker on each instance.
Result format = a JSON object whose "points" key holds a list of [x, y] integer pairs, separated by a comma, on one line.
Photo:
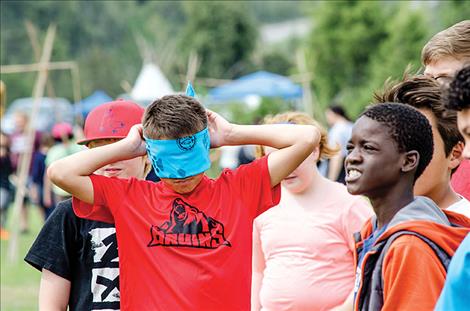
{"points": [[79, 257]]}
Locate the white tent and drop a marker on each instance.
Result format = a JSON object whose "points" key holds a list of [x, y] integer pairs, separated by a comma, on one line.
{"points": [[151, 84]]}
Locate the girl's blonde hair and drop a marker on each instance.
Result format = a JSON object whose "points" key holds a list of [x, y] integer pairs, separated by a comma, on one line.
{"points": [[295, 117]]}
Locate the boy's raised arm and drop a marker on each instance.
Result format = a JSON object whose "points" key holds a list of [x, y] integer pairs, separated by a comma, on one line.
{"points": [[71, 173], [295, 142]]}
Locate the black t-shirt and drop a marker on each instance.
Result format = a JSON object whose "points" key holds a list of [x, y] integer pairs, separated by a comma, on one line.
{"points": [[83, 252], [5, 172]]}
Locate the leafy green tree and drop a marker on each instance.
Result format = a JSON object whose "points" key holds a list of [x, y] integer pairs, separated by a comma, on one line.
{"points": [[357, 45], [85, 31], [223, 34], [239, 113], [275, 11], [447, 13], [354, 47], [345, 36], [406, 35], [277, 62]]}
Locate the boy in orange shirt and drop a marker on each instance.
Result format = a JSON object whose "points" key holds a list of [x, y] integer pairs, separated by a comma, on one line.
{"points": [[402, 253]]}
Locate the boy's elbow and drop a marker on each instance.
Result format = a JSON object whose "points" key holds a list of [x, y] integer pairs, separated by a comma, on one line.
{"points": [[311, 138], [55, 173]]}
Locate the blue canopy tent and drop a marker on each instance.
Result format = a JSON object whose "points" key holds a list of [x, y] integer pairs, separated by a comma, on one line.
{"points": [[259, 83], [87, 104]]}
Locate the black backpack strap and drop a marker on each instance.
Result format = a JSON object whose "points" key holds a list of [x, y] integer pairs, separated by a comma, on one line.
{"points": [[376, 295]]}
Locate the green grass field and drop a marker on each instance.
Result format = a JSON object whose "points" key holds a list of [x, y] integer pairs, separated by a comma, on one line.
{"points": [[19, 282]]}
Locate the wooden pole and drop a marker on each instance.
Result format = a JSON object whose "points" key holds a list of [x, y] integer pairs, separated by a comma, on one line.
{"points": [[33, 38], [307, 95], [25, 158], [77, 96], [193, 65], [4, 69]]}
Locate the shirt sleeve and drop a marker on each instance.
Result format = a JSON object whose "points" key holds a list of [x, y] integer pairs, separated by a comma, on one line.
{"points": [[254, 185], [456, 290], [413, 276], [53, 249], [357, 214], [52, 155], [258, 265], [339, 135], [108, 195]]}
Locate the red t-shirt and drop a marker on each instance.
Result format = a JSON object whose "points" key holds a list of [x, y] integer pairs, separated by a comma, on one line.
{"points": [[184, 252], [461, 179]]}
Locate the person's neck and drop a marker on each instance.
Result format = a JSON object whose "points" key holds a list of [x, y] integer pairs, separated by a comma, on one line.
{"points": [[342, 120], [390, 201], [315, 190], [444, 196]]}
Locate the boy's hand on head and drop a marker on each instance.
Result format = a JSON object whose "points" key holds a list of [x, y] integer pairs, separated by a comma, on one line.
{"points": [[135, 141], [219, 129]]}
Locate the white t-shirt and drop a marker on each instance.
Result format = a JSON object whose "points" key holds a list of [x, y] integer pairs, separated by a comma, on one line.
{"points": [[461, 207], [229, 157], [340, 134]]}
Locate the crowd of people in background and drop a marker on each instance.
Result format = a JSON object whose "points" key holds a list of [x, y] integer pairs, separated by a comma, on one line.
{"points": [[47, 146], [373, 214]]}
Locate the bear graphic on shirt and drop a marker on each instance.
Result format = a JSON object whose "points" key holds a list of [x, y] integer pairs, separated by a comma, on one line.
{"points": [[185, 218], [188, 227]]}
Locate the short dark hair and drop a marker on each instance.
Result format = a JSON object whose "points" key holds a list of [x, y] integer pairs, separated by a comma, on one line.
{"points": [[423, 92], [174, 116], [337, 109], [408, 127], [458, 93]]}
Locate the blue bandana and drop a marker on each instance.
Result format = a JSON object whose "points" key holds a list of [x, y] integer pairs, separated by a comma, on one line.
{"points": [[182, 157], [190, 90]]}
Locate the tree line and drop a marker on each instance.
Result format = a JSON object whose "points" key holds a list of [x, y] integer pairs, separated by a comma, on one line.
{"points": [[352, 48]]}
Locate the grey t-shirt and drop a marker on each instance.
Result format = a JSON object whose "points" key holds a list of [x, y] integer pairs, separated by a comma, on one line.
{"points": [[340, 133]]}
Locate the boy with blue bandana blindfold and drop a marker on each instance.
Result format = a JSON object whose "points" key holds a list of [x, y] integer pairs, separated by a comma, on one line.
{"points": [[183, 157], [186, 240]]}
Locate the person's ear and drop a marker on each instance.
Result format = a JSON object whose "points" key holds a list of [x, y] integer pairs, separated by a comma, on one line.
{"points": [[455, 155], [316, 153], [410, 161]]}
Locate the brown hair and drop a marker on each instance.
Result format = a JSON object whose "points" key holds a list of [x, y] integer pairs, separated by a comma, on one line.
{"points": [[294, 117], [424, 93], [452, 42], [46, 140], [174, 116]]}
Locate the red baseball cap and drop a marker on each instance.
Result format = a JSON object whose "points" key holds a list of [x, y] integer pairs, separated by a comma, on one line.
{"points": [[111, 120], [61, 129]]}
